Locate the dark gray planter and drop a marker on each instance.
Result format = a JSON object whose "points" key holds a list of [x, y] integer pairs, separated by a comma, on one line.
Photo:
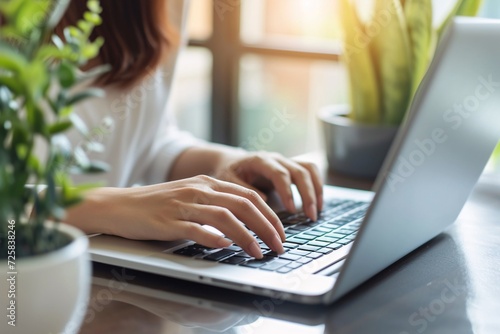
{"points": [[352, 148]]}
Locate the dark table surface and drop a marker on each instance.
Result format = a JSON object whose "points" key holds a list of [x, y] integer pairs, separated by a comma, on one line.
{"points": [[449, 285]]}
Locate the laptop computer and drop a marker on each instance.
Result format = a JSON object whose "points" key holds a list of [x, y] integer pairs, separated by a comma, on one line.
{"points": [[439, 153]]}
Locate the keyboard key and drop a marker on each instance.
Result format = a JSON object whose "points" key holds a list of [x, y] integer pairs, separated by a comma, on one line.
{"points": [[318, 243], [346, 230], [293, 230], [297, 241], [305, 236], [324, 250], [314, 255], [258, 263], [275, 265], [344, 241], [298, 252], [327, 239], [304, 260], [243, 254], [314, 233], [217, 256], [284, 270], [331, 226], [335, 235], [295, 265], [234, 248], [270, 253], [289, 245], [322, 229], [308, 248], [300, 227], [234, 260], [291, 257], [335, 246], [198, 246], [188, 251]]}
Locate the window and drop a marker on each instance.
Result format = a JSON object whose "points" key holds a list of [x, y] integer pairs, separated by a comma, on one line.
{"points": [[252, 61]]}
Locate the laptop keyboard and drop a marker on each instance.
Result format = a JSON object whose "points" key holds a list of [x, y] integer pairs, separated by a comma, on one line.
{"points": [[306, 240]]}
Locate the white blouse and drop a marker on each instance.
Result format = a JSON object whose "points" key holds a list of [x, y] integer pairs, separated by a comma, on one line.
{"points": [[139, 134]]}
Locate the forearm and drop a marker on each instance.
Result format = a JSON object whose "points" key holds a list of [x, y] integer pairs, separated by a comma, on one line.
{"points": [[97, 212], [201, 160]]}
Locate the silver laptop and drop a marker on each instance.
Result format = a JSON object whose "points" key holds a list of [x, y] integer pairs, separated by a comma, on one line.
{"points": [[441, 149]]}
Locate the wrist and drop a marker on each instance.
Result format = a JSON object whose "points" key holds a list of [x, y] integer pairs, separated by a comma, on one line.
{"points": [[98, 211]]}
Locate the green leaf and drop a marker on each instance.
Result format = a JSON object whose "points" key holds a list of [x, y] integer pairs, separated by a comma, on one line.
{"points": [[90, 51], [93, 73], [60, 7], [93, 18], [97, 167], [81, 158], [57, 42], [35, 78], [393, 54], [463, 8], [59, 127], [66, 74], [31, 15], [92, 92], [85, 27], [11, 60], [418, 15], [79, 124], [12, 83], [364, 92], [94, 6], [469, 7]]}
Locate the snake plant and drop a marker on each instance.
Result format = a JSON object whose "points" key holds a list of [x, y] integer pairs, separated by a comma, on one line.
{"points": [[387, 57]]}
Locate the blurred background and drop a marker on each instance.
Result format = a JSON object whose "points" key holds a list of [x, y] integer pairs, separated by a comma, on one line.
{"points": [[250, 62]]}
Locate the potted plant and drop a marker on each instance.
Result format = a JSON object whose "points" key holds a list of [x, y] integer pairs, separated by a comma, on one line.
{"points": [[386, 59], [45, 267]]}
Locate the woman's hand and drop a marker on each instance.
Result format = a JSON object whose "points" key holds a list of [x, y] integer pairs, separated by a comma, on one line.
{"points": [[177, 209], [263, 171]]}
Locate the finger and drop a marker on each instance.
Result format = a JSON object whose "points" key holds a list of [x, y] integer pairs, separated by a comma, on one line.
{"points": [[226, 222], [257, 201], [303, 180], [194, 231], [317, 181], [278, 175], [235, 179], [245, 211]]}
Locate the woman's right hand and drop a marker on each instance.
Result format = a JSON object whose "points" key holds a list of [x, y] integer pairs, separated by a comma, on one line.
{"points": [[176, 210]]}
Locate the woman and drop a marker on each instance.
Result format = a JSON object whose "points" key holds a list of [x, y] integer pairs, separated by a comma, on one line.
{"points": [[186, 182]]}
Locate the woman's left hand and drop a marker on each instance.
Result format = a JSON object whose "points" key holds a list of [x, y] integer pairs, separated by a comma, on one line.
{"points": [[263, 171]]}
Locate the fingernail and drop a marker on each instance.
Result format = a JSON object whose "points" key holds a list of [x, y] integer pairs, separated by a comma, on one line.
{"points": [[254, 250], [277, 245], [313, 212]]}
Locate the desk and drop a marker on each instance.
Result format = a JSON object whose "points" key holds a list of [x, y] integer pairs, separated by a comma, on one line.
{"points": [[449, 285]]}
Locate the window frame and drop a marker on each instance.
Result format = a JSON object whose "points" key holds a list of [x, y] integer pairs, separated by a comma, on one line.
{"points": [[227, 49]]}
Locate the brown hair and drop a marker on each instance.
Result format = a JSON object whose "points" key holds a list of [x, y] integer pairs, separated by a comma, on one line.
{"points": [[136, 36]]}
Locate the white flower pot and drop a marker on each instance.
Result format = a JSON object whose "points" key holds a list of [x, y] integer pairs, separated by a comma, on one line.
{"points": [[51, 290], [352, 148]]}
